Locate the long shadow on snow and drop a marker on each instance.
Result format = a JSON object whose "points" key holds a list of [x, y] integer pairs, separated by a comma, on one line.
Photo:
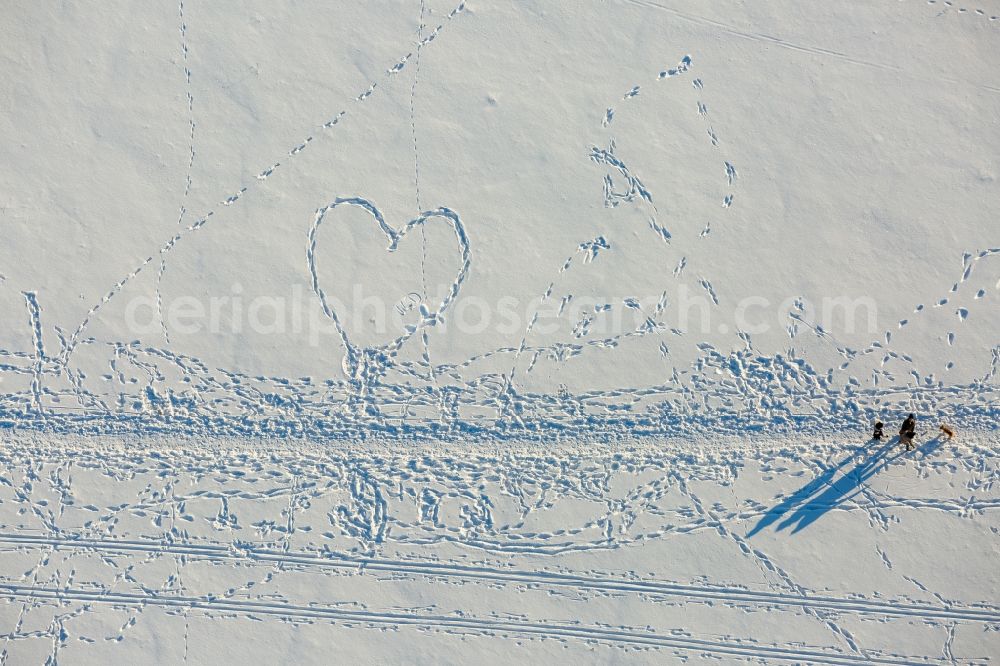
{"points": [[827, 491]]}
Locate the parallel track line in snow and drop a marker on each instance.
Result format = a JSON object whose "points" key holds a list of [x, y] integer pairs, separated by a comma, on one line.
{"points": [[613, 585], [487, 626], [802, 48]]}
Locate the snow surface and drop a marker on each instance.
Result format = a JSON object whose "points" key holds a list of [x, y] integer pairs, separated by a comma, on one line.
{"points": [[237, 428], [743, 551]]}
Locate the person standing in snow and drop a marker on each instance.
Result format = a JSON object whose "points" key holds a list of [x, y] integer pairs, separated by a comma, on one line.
{"points": [[878, 434], [908, 431]]}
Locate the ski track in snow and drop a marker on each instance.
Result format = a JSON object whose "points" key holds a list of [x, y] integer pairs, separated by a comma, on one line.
{"points": [[116, 529], [96, 537]]}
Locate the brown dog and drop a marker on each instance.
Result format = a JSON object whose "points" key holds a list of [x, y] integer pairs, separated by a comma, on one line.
{"points": [[949, 433]]}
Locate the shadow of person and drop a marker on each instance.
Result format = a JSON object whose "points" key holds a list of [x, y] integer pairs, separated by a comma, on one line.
{"points": [[828, 490], [931, 446]]}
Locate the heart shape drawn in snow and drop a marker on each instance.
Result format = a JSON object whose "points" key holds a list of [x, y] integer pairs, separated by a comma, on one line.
{"points": [[354, 355]]}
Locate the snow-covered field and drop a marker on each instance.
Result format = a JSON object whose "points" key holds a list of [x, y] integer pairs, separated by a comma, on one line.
{"points": [[808, 552], [439, 331]]}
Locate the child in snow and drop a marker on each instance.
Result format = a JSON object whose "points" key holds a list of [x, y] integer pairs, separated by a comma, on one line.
{"points": [[878, 434]]}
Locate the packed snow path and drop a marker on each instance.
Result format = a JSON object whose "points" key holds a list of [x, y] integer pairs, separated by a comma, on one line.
{"points": [[539, 452], [831, 553]]}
